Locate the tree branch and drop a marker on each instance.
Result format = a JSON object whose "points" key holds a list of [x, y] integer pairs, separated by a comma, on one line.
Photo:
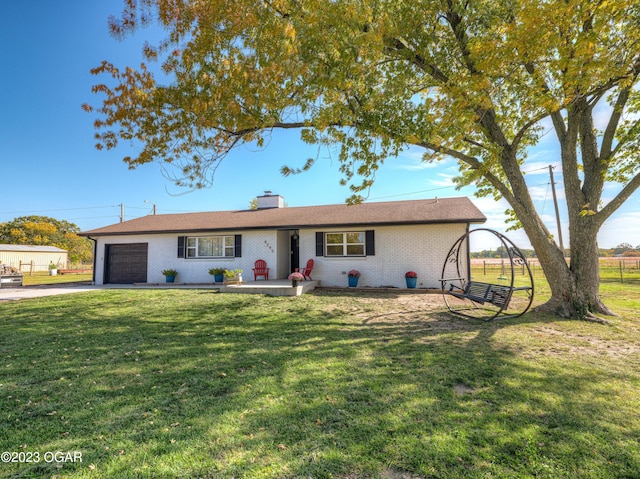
{"points": [[610, 132], [469, 160], [521, 132], [272, 126], [418, 60], [620, 198], [475, 164]]}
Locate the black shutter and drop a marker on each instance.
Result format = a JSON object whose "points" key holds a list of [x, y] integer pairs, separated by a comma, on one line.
{"points": [[319, 243], [182, 240], [370, 244], [237, 246]]}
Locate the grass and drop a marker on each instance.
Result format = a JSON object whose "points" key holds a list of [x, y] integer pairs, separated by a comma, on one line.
{"points": [[194, 384], [43, 277]]}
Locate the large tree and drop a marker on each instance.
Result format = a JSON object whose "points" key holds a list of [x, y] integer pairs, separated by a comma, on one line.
{"points": [[43, 230], [473, 80]]}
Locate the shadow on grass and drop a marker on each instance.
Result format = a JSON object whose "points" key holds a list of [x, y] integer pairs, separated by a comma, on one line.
{"points": [[195, 384]]}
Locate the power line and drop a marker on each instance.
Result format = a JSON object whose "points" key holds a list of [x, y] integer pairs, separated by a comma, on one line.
{"points": [[92, 217], [413, 192], [440, 188]]}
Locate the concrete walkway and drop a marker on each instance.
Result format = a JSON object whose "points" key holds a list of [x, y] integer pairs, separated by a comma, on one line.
{"points": [[273, 288], [24, 292]]}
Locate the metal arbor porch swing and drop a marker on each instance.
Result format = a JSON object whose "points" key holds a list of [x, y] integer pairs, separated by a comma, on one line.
{"points": [[480, 296]]}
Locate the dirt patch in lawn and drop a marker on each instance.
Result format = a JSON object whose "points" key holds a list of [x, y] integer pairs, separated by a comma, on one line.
{"points": [[563, 342], [419, 310]]}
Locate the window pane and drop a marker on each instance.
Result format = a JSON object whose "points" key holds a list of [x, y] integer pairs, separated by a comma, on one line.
{"points": [[355, 237], [216, 246], [355, 249], [334, 238], [191, 252], [229, 240], [191, 242], [205, 247], [334, 250]]}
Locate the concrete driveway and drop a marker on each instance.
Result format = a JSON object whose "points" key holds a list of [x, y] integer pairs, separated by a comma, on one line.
{"points": [[23, 292]]}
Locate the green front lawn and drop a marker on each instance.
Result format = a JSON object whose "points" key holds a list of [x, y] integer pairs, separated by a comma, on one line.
{"points": [[195, 384], [43, 277]]}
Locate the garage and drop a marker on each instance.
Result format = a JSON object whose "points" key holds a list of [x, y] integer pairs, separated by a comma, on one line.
{"points": [[126, 263]]}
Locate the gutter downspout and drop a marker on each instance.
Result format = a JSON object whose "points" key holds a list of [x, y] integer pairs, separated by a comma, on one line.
{"points": [[95, 257]]}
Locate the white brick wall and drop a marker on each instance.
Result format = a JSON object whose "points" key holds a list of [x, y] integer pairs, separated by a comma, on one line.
{"points": [[420, 248], [163, 254]]}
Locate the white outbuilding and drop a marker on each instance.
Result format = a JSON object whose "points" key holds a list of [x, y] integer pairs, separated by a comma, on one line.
{"points": [[32, 258]]}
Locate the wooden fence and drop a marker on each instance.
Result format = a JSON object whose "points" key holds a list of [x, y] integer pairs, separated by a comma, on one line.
{"points": [[619, 269]]}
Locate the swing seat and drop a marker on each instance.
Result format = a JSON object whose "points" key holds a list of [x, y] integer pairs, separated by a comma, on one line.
{"points": [[481, 293], [488, 300]]}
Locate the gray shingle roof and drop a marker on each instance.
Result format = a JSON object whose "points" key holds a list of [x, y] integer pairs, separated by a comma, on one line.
{"points": [[443, 210]]}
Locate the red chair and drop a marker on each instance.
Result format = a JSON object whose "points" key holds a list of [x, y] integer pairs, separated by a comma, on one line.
{"points": [[306, 271], [260, 269]]}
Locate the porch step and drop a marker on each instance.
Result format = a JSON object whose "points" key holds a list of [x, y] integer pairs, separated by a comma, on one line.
{"points": [[278, 287]]}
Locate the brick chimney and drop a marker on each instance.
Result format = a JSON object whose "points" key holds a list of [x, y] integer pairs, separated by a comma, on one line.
{"points": [[269, 200]]}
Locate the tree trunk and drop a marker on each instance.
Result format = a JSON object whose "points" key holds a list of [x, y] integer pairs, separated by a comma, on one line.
{"points": [[574, 286], [585, 268]]}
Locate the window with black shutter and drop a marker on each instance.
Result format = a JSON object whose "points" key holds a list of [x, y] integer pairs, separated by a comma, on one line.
{"points": [[340, 244], [181, 246], [319, 243], [228, 246], [370, 244], [238, 246]]}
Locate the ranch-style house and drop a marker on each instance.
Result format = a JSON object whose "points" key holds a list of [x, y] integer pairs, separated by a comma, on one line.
{"points": [[382, 240]]}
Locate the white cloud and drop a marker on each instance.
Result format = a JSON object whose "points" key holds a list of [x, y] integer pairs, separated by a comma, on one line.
{"points": [[540, 192], [601, 115], [623, 228], [412, 159], [444, 181]]}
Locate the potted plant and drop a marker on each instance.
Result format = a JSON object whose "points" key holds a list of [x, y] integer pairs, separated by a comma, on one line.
{"points": [[295, 277], [218, 274], [411, 277], [169, 275], [354, 275], [53, 269], [233, 276]]}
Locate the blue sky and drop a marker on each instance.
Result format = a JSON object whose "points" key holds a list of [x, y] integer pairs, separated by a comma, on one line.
{"points": [[50, 167]]}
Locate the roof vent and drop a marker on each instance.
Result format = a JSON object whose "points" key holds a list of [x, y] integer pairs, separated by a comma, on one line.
{"points": [[268, 200]]}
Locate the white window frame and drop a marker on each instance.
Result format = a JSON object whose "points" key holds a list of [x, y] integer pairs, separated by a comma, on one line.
{"points": [[345, 244], [193, 247]]}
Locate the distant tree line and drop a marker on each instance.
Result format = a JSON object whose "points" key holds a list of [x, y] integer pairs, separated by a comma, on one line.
{"points": [[500, 252], [623, 249], [45, 231]]}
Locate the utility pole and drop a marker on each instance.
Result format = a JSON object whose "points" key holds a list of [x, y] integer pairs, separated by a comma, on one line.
{"points": [[154, 206], [555, 204], [121, 212]]}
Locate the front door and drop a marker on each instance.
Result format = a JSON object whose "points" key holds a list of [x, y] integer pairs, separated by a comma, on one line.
{"points": [[295, 251]]}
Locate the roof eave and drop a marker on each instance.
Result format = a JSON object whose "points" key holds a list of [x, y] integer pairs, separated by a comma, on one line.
{"points": [[286, 227]]}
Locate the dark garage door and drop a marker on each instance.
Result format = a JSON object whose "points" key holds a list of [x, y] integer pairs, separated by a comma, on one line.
{"points": [[126, 263]]}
